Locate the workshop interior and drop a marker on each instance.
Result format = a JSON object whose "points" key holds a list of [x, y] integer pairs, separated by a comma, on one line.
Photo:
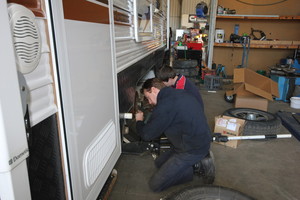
{"points": [[71, 82]]}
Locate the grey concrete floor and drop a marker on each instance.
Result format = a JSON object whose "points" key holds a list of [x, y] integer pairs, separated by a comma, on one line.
{"points": [[262, 169]]}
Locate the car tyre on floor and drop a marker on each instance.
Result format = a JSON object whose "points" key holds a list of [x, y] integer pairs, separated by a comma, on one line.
{"points": [[258, 122]]}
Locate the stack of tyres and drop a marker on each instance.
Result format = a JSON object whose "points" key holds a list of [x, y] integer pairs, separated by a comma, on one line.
{"points": [[188, 68]]}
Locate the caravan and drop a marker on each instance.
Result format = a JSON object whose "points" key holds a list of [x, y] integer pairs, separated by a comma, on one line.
{"points": [[70, 69]]}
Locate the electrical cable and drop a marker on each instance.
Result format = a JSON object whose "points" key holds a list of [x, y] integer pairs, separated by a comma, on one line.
{"points": [[268, 4]]}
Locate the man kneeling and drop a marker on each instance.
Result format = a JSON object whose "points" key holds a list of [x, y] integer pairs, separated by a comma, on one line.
{"points": [[178, 115]]}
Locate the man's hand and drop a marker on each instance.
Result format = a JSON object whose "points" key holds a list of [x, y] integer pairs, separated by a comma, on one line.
{"points": [[139, 116]]}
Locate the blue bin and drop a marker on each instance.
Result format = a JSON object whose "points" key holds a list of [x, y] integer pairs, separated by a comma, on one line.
{"points": [[283, 87]]}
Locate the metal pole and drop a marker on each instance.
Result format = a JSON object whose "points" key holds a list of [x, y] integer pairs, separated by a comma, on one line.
{"points": [[257, 137], [211, 35], [222, 138]]}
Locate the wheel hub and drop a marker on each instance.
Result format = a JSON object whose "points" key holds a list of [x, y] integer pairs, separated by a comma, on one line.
{"points": [[251, 116]]}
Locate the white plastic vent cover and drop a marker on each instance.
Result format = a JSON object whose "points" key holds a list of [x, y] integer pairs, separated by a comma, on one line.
{"points": [[26, 37]]}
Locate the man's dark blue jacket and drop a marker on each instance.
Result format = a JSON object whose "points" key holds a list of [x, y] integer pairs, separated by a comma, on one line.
{"points": [[190, 87], [181, 118]]}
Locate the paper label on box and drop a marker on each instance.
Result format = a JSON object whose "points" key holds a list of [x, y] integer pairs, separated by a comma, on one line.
{"points": [[228, 126], [222, 122], [233, 120], [231, 126]]}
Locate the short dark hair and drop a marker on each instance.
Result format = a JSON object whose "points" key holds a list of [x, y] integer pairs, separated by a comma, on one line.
{"points": [[165, 73], [152, 82]]}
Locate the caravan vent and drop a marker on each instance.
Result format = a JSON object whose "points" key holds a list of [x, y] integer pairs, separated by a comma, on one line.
{"points": [[98, 153], [26, 37]]}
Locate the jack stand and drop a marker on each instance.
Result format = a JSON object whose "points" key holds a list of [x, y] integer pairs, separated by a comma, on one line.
{"points": [[245, 41]]}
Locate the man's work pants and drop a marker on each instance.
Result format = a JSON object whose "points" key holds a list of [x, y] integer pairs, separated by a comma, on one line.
{"points": [[173, 169]]}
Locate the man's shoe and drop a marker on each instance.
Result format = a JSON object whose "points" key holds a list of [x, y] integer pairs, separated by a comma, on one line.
{"points": [[206, 169]]}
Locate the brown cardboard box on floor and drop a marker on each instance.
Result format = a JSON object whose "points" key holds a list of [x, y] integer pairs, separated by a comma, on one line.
{"points": [[238, 88], [229, 126], [255, 83], [252, 90], [251, 101]]}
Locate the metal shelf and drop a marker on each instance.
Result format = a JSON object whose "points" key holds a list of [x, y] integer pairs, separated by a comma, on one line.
{"points": [[262, 45], [258, 17]]}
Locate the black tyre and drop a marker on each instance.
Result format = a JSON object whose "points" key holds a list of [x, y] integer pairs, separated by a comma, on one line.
{"points": [[44, 163], [187, 71], [207, 193], [184, 64], [230, 98], [258, 122]]}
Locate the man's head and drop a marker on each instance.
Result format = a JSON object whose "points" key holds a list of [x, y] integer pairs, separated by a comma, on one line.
{"points": [[167, 75], [151, 88]]}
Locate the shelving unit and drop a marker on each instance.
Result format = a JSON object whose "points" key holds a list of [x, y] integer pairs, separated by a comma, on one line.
{"points": [[259, 17], [261, 45], [279, 22]]}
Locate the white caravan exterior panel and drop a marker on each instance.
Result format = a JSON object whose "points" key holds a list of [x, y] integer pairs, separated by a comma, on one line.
{"points": [[89, 98]]}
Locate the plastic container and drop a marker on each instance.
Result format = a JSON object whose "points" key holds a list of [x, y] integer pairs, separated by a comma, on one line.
{"points": [[207, 73], [295, 102], [236, 29], [213, 82], [219, 38], [220, 9]]}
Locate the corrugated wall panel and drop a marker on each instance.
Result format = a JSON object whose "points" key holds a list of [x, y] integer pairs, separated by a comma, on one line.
{"points": [[125, 4], [128, 51], [189, 6], [175, 15], [123, 32]]}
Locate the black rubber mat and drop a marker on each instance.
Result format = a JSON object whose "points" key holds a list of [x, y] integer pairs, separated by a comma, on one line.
{"points": [[289, 121]]}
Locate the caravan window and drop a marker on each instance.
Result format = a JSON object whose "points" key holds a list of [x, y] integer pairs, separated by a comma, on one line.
{"points": [[143, 20]]}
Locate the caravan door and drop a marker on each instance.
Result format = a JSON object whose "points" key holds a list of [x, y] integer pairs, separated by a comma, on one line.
{"points": [[87, 78]]}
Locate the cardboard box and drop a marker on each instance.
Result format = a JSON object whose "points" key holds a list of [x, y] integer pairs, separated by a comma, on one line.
{"points": [[238, 88], [229, 126], [255, 83], [251, 101]]}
